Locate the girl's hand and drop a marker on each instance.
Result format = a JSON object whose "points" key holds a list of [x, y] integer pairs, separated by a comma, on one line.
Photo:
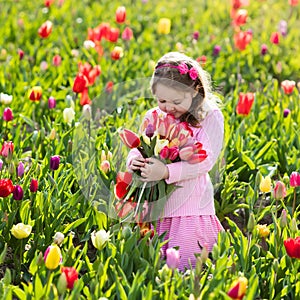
{"points": [[154, 170], [137, 162]]}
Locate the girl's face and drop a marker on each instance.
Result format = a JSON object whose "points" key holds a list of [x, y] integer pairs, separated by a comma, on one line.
{"points": [[173, 101]]}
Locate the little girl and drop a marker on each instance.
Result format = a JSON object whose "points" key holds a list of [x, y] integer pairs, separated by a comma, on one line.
{"points": [[182, 88]]}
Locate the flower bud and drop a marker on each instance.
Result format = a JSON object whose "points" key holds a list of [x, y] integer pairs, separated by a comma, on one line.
{"points": [[173, 258], [283, 220], [87, 112], [20, 169], [279, 191], [62, 284], [294, 226], [238, 288], [7, 114], [69, 115], [265, 184], [18, 192], [52, 134], [251, 222], [54, 162], [52, 257], [105, 166], [262, 230], [51, 102], [34, 185], [100, 239], [58, 238]]}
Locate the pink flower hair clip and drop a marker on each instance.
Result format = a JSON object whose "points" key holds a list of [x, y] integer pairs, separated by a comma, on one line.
{"points": [[183, 69]]}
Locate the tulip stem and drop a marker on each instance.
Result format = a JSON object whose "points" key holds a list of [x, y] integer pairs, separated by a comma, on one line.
{"points": [[294, 202], [140, 197]]}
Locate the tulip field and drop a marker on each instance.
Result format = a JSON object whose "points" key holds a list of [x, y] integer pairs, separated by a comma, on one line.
{"points": [[73, 75]]}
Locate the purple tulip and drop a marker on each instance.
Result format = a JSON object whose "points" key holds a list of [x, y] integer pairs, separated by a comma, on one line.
{"points": [[1, 164], [286, 112], [264, 49], [20, 169], [216, 50], [54, 162], [150, 131], [34, 185], [173, 258], [18, 192], [51, 102], [7, 114]]}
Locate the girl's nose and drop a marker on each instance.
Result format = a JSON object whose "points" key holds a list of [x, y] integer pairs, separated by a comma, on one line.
{"points": [[169, 108]]}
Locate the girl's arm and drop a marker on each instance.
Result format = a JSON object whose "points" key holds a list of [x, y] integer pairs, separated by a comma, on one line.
{"points": [[210, 134]]}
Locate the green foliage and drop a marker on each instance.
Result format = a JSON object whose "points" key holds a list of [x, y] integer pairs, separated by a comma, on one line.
{"points": [[76, 199]]}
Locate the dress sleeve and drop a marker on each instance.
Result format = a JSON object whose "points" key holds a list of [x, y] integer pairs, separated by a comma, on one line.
{"points": [[210, 134]]}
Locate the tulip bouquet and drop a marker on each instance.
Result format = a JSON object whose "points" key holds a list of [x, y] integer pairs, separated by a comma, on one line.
{"points": [[162, 137]]}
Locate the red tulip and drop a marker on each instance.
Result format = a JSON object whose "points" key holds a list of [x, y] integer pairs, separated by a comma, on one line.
{"points": [[164, 152], [80, 83], [121, 14], [127, 34], [48, 3], [33, 185], [20, 53], [35, 93], [7, 149], [85, 99], [45, 29], [240, 17], [123, 181], [295, 179], [109, 87], [129, 138], [288, 86], [173, 152], [292, 247], [293, 2], [245, 103], [90, 73], [7, 114], [198, 157], [113, 35], [6, 187], [274, 38], [242, 39], [71, 276]]}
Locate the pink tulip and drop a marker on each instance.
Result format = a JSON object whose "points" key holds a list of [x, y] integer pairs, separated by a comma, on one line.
{"points": [[186, 153], [173, 258], [295, 179], [279, 191], [173, 153], [7, 114]]}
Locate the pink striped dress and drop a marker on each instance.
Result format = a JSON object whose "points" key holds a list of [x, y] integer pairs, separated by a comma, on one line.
{"points": [[188, 217]]}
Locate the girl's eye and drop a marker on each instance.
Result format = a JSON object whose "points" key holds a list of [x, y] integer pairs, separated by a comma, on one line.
{"points": [[176, 103], [162, 101]]}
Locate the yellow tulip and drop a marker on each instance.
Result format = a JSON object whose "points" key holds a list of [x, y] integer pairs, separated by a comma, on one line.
{"points": [[52, 257], [164, 26], [21, 231], [262, 230], [265, 184]]}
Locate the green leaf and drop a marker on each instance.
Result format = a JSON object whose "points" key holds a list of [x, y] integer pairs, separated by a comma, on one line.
{"points": [[74, 224]]}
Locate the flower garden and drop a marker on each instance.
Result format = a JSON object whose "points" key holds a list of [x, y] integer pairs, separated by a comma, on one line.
{"points": [[74, 85]]}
